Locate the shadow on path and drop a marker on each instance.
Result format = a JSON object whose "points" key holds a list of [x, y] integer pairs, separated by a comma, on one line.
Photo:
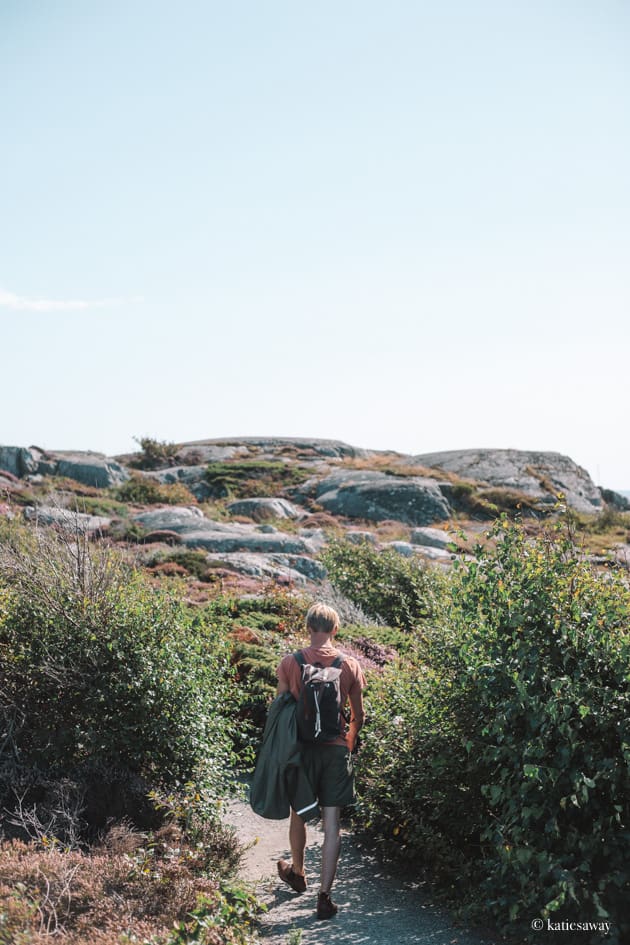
{"points": [[375, 905]]}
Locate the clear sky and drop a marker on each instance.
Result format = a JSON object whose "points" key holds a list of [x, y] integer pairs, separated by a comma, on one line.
{"points": [[402, 224]]}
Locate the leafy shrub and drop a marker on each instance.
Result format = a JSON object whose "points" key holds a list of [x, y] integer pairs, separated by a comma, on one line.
{"points": [[155, 453], [100, 669], [192, 562], [398, 591], [502, 758], [142, 490]]}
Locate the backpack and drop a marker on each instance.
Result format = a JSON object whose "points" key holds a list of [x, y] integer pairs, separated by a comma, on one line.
{"points": [[318, 712]]}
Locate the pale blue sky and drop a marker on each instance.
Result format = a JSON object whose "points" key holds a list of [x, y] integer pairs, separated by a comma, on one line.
{"points": [[402, 224]]}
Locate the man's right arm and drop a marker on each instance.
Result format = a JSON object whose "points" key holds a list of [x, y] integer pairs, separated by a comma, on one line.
{"points": [[357, 716]]}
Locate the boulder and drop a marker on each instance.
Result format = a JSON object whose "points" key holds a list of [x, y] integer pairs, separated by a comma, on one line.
{"points": [[259, 566], [176, 518], [255, 541], [376, 496], [359, 536], [403, 548], [199, 532], [91, 469], [67, 519], [265, 508], [541, 475], [19, 460], [431, 537]]}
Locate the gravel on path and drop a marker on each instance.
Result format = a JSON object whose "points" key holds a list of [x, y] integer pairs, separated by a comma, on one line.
{"points": [[375, 906]]}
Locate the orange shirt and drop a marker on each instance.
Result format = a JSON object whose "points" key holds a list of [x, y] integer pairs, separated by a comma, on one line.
{"points": [[351, 681]]}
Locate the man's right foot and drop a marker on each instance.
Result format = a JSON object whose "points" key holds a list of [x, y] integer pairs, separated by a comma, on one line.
{"points": [[295, 880], [326, 908]]}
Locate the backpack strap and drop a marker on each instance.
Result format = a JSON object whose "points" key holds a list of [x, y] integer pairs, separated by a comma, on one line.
{"points": [[299, 657]]}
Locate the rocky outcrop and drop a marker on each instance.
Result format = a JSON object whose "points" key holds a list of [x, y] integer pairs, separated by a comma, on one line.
{"points": [[295, 569], [261, 509], [333, 449], [91, 469], [541, 475], [196, 531], [431, 538], [67, 519], [376, 496], [616, 500]]}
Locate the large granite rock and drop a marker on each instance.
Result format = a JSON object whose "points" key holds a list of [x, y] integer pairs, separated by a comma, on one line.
{"points": [[376, 496], [265, 508], [18, 460], [91, 469], [431, 537], [196, 531], [334, 449], [296, 569], [541, 475], [67, 519]]}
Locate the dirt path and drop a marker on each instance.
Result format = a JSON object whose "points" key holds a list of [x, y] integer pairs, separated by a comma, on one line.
{"points": [[375, 907]]}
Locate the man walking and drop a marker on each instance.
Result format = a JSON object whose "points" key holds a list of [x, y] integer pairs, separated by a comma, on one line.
{"points": [[327, 758]]}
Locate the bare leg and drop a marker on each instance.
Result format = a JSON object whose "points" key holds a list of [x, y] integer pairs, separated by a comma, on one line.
{"points": [[297, 842], [331, 847]]}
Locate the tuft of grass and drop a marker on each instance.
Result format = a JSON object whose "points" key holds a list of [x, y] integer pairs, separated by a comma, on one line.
{"points": [[252, 478]]}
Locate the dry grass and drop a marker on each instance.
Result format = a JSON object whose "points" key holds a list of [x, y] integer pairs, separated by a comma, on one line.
{"points": [[390, 463], [119, 889]]}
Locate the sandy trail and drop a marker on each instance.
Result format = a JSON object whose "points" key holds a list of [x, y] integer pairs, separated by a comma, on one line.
{"points": [[375, 906]]}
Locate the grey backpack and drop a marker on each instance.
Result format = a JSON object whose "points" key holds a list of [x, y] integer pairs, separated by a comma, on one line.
{"points": [[319, 705]]}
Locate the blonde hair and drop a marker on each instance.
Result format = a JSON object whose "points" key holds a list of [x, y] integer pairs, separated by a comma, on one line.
{"points": [[322, 619]]}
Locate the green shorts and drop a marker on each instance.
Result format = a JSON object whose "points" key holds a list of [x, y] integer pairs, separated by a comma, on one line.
{"points": [[330, 770]]}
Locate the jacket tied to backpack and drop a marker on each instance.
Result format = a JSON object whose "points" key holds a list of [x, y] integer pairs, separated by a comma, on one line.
{"points": [[279, 781]]}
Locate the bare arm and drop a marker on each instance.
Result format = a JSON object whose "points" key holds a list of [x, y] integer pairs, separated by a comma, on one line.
{"points": [[357, 717]]}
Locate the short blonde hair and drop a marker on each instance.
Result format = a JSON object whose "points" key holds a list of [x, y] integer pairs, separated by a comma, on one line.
{"points": [[322, 619]]}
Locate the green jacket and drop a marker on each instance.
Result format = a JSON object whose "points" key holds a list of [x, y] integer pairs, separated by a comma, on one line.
{"points": [[279, 782]]}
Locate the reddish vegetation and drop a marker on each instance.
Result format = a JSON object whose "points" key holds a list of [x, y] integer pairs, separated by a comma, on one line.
{"points": [[119, 888]]}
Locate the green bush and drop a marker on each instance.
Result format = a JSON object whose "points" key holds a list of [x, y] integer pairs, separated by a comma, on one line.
{"points": [[145, 491], [398, 591], [509, 749], [155, 453], [100, 669]]}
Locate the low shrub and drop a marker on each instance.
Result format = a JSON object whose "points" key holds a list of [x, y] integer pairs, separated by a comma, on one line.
{"points": [[397, 591], [153, 887], [252, 478], [501, 757], [142, 490]]}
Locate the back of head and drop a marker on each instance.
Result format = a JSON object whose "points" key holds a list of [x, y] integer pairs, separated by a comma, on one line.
{"points": [[322, 619]]}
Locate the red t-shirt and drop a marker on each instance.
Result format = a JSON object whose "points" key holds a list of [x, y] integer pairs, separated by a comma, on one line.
{"points": [[351, 681]]}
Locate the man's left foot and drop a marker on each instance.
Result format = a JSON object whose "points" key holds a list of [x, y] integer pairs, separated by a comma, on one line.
{"points": [[326, 908]]}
